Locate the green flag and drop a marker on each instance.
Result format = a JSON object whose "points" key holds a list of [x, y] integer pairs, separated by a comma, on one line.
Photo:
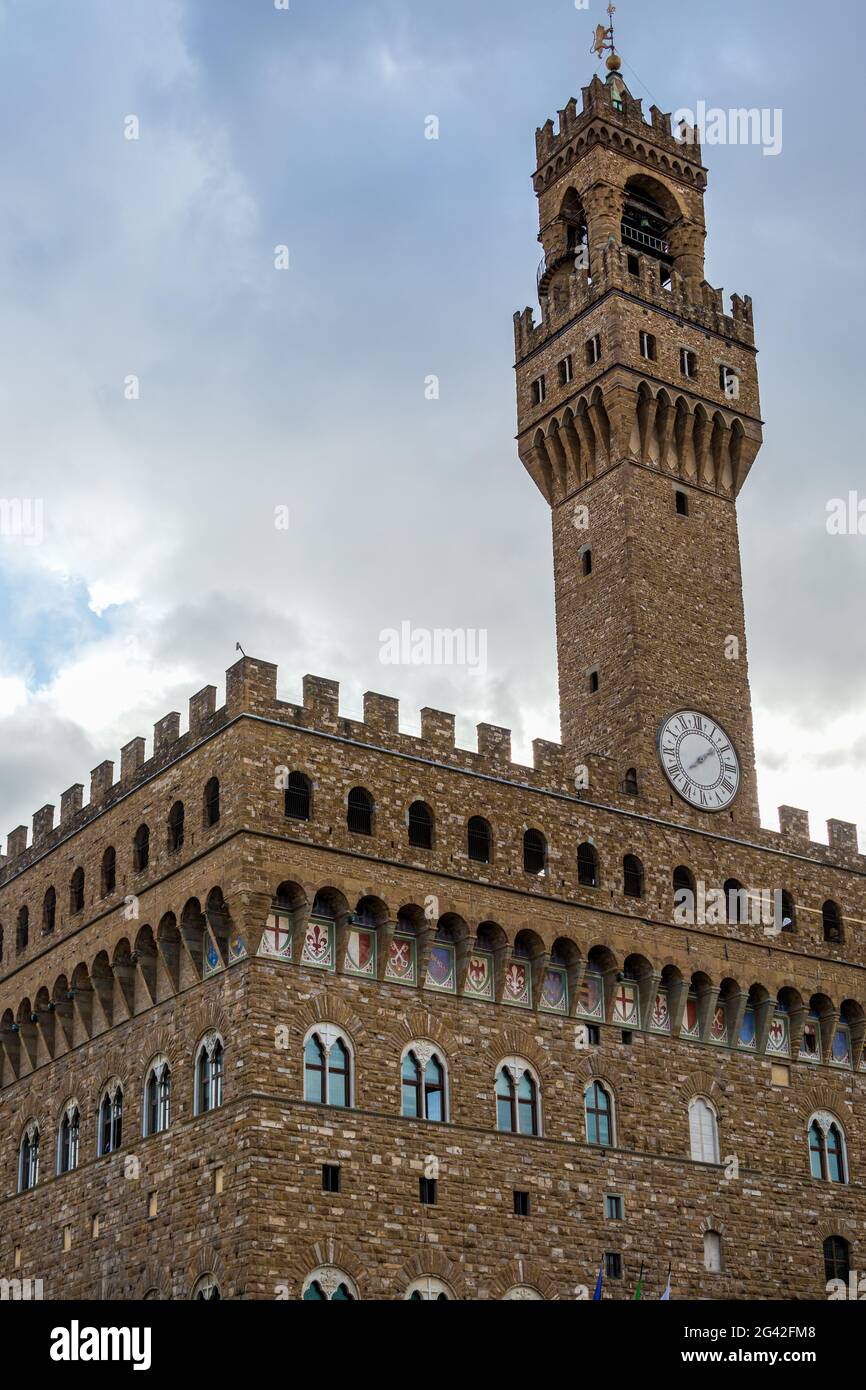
{"points": [[638, 1293]]}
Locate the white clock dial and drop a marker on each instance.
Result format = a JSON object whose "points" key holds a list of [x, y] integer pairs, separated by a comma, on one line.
{"points": [[699, 760]]}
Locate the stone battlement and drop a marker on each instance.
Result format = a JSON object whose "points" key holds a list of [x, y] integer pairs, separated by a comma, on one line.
{"points": [[706, 308], [251, 691], [598, 102]]}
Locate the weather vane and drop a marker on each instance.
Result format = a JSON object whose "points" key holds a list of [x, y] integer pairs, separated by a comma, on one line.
{"points": [[604, 42]]}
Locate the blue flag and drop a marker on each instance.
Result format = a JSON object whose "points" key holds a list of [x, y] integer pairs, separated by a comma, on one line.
{"points": [[596, 1297]]}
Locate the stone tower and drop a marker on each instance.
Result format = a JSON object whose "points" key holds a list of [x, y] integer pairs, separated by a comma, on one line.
{"points": [[638, 420]]}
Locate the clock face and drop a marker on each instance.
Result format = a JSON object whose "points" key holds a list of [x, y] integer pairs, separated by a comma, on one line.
{"points": [[699, 760]]}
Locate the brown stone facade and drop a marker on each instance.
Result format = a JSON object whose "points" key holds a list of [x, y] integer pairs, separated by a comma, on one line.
{"points": [[526, 942], [140, 988]]}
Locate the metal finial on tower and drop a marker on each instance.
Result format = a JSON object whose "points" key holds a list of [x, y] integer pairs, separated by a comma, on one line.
{"points": [[604, 42]]}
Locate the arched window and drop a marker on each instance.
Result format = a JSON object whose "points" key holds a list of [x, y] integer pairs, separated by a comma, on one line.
{"points": [[525, 1293], [632, 877], [176, 819], [789, 912], [478, 840], [22, 934], [684, 893], [832, 920], [206, 1290], [420, 825], [827, 1159], [599, 1115], [837, 1259], [329, 1285], [423, 1083], [69, 1138], [76, 891], [209, 1074], [703, 1131], [157, 1097], [712, 1252], [428, 1290], [534, 852], [359, 816], [28, 1159], [212, 802], [587, 866], [141, 849], [49, 912], [683, 878], [298, 793], [109, 1119], [108, 875], [517, 1098], [736, 902], [630, 785], [327, 1066]]}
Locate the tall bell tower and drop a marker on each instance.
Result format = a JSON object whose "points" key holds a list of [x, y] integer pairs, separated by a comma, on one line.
{"points": [[638, 420]]}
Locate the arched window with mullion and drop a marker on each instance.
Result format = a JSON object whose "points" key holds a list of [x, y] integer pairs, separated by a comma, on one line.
{"points": [[827, 1159], [69, 1140], [157, 1099], [110, 1120], [599, 1128], [209, 1075]]}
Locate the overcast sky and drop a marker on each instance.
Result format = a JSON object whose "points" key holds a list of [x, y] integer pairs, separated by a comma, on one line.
{"points": [[304, 388]]}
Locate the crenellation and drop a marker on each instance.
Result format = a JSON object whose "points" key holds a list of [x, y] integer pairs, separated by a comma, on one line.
{"points": [[439, 731], [166, 732], [382, 714], [101, 782], [794, 824], [598, 110], [548, 761], [131, 760], [251, 687], [202, 707], [71, 802], [43, 824], [843, 837], [16, 842], [321, 702], [494, 745]]}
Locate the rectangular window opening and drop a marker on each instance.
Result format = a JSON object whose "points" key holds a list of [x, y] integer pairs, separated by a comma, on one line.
{"points": [[521, 1203], [330, 1177]]}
